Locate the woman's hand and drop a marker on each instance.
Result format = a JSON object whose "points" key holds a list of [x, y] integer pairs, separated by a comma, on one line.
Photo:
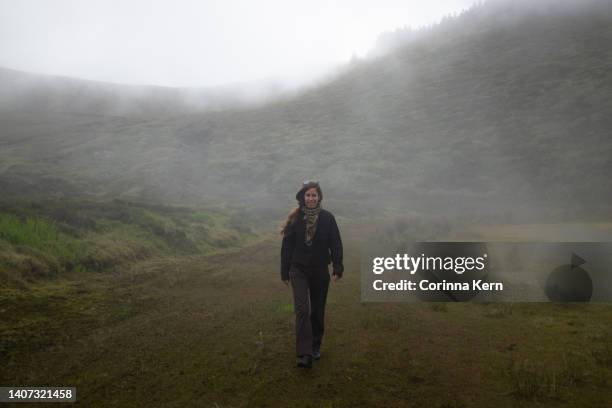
{"points": [[335, 278], [286, 282]]}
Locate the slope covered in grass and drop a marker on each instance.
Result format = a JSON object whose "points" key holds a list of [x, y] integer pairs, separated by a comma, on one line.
{"points": [[504, 108], [51, 238]]}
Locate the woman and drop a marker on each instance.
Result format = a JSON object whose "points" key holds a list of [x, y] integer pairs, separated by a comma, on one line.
{"points": [[311, 241]]}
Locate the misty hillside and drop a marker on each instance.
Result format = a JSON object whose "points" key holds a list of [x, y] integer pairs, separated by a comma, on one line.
{"points": [[36, 93], [502, 109]]}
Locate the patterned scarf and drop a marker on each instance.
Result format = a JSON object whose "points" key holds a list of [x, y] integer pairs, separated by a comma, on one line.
{"points": [[311, 216]]}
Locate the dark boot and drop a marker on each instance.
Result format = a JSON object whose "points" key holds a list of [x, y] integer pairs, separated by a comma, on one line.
{"points": [[316, 352], [305, 361]]}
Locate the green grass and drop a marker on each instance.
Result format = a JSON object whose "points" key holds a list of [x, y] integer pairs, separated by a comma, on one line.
{"points": [[216, 329], [46, 238], [537, 380], [41, 235]]}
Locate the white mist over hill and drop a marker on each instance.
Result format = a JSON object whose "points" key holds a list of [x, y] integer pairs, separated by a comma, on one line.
{"points": [[200, 43]]}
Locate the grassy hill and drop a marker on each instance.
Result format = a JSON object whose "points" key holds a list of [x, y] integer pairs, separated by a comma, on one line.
{"points": [[138, 261], [507, 116], [37, 93], [51, 239], [503, 109]]}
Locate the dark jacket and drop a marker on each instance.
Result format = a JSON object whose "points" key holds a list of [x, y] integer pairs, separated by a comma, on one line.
{"points": [[326, 245]]}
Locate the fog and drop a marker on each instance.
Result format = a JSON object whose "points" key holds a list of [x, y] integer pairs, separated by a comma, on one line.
{"points": [[190, 43], [501, 111]]}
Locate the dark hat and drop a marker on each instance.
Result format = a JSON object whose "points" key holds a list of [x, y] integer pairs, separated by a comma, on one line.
{"points": [[308, 184]]}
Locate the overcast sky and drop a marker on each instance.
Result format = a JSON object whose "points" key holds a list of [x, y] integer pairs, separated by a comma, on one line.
{"points": [[200, 43]]}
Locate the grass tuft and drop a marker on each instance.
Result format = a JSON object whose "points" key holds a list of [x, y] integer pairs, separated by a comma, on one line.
{"points": [[535, 380]]}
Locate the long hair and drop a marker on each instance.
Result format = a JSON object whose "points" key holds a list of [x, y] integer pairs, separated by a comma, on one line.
{"points": [[291, 217], [290, 220]]}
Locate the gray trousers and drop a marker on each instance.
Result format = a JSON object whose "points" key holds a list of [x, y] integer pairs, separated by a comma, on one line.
{"points": [[309, 286]]}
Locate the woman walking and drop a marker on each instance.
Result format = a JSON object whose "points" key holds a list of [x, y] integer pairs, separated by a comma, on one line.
{"points": [[311, 241]]}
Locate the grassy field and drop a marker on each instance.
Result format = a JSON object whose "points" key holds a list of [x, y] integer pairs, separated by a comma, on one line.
{"points": [[214, 328]]}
